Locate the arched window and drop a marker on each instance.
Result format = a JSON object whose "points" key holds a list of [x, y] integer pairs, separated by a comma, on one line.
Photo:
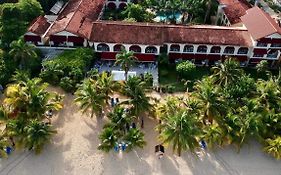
{"points": [[122, 6], [150, 49], [118, 47], [229, 50], [216, 49], [103, 47], [188, 48], [111, 6], [135, 48], [202, 49], [243, 50], [175, 48]]}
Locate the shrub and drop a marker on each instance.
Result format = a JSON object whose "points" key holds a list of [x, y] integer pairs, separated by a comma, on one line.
{"points": [[67, 84], [71, 64], [185, 68], [148, 78], [171, 88]]}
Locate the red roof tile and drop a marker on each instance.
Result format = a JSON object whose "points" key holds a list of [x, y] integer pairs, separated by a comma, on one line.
{"points": [[147, 33], [39, 26], [259, 23], [234, 9], [77, 16]]}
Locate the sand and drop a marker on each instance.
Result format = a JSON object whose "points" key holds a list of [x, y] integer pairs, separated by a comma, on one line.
{"points": [[73, 151]]}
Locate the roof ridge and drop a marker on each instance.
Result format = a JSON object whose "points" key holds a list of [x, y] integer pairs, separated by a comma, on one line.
{"points": [[74, 12], [140, 24]]}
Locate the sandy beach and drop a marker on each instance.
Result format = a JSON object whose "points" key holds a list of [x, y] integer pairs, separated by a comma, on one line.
{"points": [[73, 151]]}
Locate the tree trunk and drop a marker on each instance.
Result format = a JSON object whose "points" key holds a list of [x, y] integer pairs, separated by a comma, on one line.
{"points": [[126, 75], [92, 113], [209, 5]]}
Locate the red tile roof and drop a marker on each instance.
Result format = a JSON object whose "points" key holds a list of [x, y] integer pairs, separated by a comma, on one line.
{"points": [[234, 9], [39, 26], [77, 17], [147, 33], [259, 23]]}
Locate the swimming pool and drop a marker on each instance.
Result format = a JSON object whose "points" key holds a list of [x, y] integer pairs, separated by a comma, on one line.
{"points": [[160, 18]]}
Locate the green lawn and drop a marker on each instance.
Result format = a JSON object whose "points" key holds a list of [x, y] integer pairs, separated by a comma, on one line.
{"points": [[169, 77]]}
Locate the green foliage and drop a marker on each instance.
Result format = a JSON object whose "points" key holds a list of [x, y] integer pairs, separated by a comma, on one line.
{"points": [[36, 135], [7, 67], [137, 12], [71, 64], [67, 84], [262, 66], [148, 79], [15, 17], [170, 8], [30, 9], [186, 68], [134, 88], [23, 111], [25, 55], [90, 96], [126, 60]]}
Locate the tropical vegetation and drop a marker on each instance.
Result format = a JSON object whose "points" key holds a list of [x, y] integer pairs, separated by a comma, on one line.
{"points": [[68, 68], [226, 107], [24, 114]]}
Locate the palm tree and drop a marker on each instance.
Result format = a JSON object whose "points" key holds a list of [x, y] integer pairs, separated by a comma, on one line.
{"points": [[21, 76], [181, 130], [31, 98], [134, 138], [213, 135], [227, 73], [107, 84], [120, 119], [37, 134], [89, 96], [134, 88], [126, 60], [273, 147], [109, 138], [211, 104], [268, 94], [22, 52]]}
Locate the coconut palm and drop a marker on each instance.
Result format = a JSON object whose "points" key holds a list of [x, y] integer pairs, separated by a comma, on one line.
{"points": [[89, 96], [181, 130], [134, 88], [167, 108], [226, 73], [268, 94], [273, 147], [210, 102], [126, 60], [120, 118], [109, 138], [213, 135], [22, 52], [21, 76], [15, 129], [37, 134], [134, 138], [32, 98], [107, 84]]}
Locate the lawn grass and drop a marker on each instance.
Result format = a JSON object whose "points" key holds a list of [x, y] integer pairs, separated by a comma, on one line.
{"points": [[168, 77]]}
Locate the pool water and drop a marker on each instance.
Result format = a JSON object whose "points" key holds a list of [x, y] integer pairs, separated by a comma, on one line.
{"points": [[160, 18]]}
